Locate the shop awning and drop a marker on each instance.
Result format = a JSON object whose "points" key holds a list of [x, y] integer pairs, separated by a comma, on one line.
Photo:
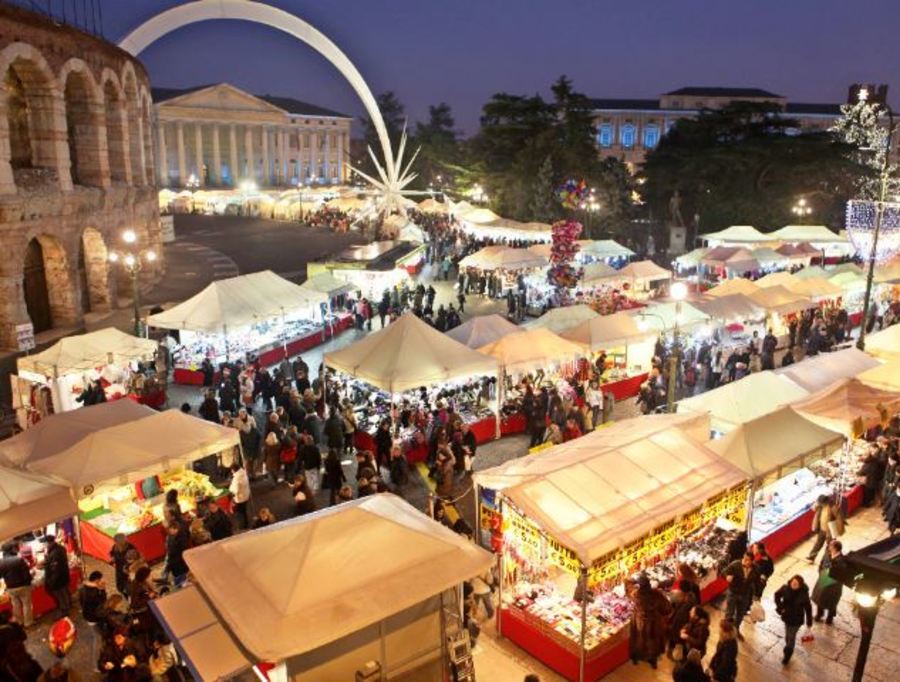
{"points": [[408, 354], [732, 307], [884, 344], [821, 371], [738, 234], [86, 351], [326, 286], [295, 586], [763, 445], [663, 316], [531, 350], [606, 332], [850, 406], [645, 270], [557, 320], [603, 500], [28, 501], [597, 272], [733, 286], [126, 452], [885, 376], [481, 330], [806, 233], [230, 304], [741, 401]]}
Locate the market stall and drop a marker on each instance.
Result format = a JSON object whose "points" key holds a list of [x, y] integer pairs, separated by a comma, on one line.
{"points": [[740, 401], [828, 245], [55, 379], [596, 274], [557, 320], [591, 514], [644, 277], [260, 314], [690, 261], [432, 205], [373, 267], [603, 250], [482, 329], [124, 493], [729, 261], [413, 363], [885, 376], [816, 373], [342, 628], [32, 506], [884, 344], [736, 235], [785, 456], [731, 287]]}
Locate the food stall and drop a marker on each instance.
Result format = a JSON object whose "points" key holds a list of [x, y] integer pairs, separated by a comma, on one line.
{"points": [[781, 454], [52, 381], [258, 314], [31, 507], [408, 628], [588, 515], [124, 493], [629, 351], [404, 360], [482, 329]]}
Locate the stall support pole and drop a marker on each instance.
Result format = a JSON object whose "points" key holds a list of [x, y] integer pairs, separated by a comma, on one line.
{"points": [[750, 497], [501, 388], [225, 336], [477, 490], [382, 673], [583, 581], [500, 573]]}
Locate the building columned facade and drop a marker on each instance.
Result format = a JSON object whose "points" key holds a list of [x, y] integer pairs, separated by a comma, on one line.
{"points": [[220, 136], [627, 129], [76, 171]]}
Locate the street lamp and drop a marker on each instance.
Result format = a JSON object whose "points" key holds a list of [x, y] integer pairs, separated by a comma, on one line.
{"points": [[678, 292], [132, 260], [801, 209]]}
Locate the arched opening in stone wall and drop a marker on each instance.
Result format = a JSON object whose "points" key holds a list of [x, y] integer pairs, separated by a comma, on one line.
{"points": [[82, 131], [135, 128], [34, 284], [20, 152], [115, 133], [47, 286], [93, 269]]}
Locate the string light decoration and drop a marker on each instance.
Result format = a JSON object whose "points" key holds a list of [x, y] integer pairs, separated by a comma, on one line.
{"points": [[860, 220]]}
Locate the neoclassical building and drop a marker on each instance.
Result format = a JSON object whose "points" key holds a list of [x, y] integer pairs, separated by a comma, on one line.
{"points": [[77, 170], [219, 135]]}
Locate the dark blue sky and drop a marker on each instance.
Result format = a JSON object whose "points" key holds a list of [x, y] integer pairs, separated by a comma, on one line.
{"points": [[462, 51]]}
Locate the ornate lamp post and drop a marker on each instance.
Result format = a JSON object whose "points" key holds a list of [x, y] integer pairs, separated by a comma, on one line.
{"points": [[132, 259], [678, 292], [801, 209]]}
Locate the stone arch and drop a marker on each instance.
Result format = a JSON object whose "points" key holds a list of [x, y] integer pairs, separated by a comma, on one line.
{"points": [[256, 12], [135, 123], [47, 287], [93, 268], [32, 119], [116, 128], [85, 125]]}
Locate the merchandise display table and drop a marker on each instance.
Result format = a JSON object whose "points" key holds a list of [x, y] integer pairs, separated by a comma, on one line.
{"points": [[41, 601], [625, 388]]}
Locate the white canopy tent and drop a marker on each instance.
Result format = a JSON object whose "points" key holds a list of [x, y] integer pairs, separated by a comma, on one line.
{"points": [[645, 271], [29, 501], [608, 331], [229, 304], [84, 352], [740, 401], [816, 373], [432, 205], [603, 249], [777, 299], [885, 344], [325, 286], [145, 446], [733, 286], [664, 316], [794, 234], [596, 273], [557, 320], [849, 406], [812, 271], [482, 329], [692, 259], [302, 577], [774, 279], [503, 258], [407, 354], [769, 258], [736, 234], [531, 350], [734, 307], [884, 376]]}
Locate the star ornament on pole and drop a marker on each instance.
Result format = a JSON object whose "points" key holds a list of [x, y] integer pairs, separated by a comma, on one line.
{"points": [[393, 178]]}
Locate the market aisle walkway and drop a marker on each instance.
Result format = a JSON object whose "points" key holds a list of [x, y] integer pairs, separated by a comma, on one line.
{"points": [[831, 656]]}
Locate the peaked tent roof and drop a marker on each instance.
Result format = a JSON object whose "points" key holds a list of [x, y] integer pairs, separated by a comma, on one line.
{"points": [[607, 331], [503, 258], [558, 320], [483, 329], [815, 287], [662, 316], [598, 271], [28, 501], [775, 279], [885, 376], [816, 373], [849, 406], [230, 304], [644, 269], [732, 307], [432, 205], [604, 248], [780, 300], [85, 351], [531, 350], [733, 286], [302, 575], [741, 401], [738, 234], [692, 259], [480, 215], [812, 271], [720, 255], [327, 284], [806, 233], [763, 445], [885, 344], [407, 354], [888, 272], [767, 256]]}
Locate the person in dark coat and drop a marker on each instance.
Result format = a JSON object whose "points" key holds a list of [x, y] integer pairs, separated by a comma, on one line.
{"points": [[56, 575], [649, 621], [334, 476], [216, 522], [742, 578], [695, 633], [690, 669], [765, 567], [383, 443], [118, 557], [827, 592], [177, 541], [334, 431], [209, 408], [723, 665], [793, 605], [682, 604]]}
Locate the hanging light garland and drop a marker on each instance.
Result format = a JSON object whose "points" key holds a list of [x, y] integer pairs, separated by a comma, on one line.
{"points": [[861, 219]]}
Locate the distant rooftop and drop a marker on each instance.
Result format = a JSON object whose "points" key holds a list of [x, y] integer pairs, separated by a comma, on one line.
{"points": [[625, 103], [812, 108], [288, 104], [702, 91]]}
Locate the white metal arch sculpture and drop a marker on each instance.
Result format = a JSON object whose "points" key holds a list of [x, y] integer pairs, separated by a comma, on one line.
{"points": [[393, 179]]}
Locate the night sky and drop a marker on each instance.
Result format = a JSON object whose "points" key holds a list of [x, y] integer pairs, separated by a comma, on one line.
{"points": [[462, 51]]}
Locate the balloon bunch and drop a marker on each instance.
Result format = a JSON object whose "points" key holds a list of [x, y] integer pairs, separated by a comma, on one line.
{"points": [[562, 274], [571, 193]]}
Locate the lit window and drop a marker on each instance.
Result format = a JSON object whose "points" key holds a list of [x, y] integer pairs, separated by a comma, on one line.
{"points": [[605, 135], [627, 135], [651, 136]]}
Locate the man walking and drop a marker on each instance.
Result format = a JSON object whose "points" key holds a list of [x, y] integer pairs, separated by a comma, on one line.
{"points": [[742, 578], [17, 577], [240, 493], [56, 575]]}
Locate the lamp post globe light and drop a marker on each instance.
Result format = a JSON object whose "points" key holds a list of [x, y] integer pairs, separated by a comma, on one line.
{"points": [[678, 292], [132, 260], [802, 210]]}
